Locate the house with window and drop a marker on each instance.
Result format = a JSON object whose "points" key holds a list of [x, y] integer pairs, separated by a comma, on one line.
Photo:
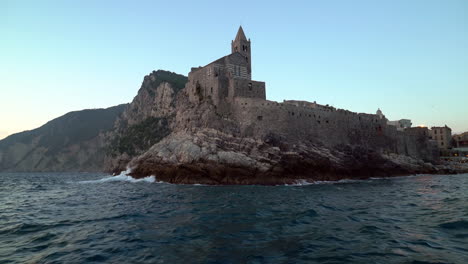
{"points": [[442, 135]]}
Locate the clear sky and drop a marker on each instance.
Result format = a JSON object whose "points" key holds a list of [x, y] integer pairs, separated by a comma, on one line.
{"points": [[410, 58]]}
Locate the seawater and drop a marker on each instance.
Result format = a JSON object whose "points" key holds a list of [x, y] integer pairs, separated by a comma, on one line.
{"points": [[92, 218]]}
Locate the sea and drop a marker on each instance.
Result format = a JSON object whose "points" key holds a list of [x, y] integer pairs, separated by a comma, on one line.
{"points": [[96, 218]]}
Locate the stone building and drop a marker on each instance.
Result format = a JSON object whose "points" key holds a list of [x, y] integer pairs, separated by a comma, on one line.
{"points": [[442, 135], [227, 77], [401, 124], [379, 113], [226, 83], [461, 140]]}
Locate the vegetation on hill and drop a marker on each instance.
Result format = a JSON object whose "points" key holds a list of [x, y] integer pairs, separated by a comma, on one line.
{"points": [[177, 81], [140, 137], [69, 129], [71, 142]]}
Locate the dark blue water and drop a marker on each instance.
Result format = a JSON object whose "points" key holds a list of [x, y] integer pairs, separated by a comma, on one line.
{"points": [[58, 218]]}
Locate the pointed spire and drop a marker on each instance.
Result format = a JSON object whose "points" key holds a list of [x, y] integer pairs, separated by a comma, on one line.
{"points": [[240, 34]]}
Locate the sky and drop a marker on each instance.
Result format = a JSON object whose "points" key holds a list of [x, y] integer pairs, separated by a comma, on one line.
{"points": [[408, 58]]}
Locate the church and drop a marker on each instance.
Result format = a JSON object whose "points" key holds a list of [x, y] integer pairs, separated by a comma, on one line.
{"points": [[226, 78]]}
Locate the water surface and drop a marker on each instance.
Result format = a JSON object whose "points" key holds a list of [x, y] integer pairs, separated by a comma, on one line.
{"points": [[89, 218]]}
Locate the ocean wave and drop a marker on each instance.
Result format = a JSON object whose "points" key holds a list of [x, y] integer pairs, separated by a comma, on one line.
{"points": [[300, 183], [460, 224], [304, 182], [122, 177]]}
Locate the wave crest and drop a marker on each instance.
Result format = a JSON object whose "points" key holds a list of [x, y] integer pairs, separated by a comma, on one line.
{"points": [[122, 177]]}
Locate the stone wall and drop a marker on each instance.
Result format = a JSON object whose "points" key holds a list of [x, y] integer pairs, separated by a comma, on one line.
{"points": [[326, 125], [225, 78], [246, 88]]}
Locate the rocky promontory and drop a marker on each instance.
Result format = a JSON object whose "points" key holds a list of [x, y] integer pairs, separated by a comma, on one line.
{"points": [[202, 144], [213, 157], [162, 133]]}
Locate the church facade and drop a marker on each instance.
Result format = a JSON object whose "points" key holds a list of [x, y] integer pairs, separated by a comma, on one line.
{"points": [[226, 78]]}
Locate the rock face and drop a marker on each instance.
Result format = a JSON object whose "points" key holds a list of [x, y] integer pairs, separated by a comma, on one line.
{"points": [[220, 144], [146, 120], [212, 157]]}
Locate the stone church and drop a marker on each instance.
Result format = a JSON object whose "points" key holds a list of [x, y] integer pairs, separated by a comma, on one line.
{"points": [[226, 78]]}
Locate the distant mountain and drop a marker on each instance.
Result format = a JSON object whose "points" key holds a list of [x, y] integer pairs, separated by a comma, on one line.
{"points": [[73, 142], [98, 139]]}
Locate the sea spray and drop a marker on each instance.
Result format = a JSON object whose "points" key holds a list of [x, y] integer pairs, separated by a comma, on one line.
{"points": [[122, 177]]}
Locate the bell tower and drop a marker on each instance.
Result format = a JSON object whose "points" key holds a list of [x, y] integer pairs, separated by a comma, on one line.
{"points": [[242, 45]]}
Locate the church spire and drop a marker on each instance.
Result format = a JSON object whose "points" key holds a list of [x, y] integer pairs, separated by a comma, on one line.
{"points": [[240, 34], [242, 46]]}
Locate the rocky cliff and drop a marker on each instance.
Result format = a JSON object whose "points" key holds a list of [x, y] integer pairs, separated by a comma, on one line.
{"points": [[209, 144], [210, 156], [146, 120]]}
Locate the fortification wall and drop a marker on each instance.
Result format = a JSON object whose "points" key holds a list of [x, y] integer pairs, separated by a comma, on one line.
{"points": [[246, 88], [326, 125]]}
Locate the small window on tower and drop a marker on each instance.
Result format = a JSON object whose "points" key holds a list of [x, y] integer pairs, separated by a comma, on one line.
{"points": [[250, 86]]}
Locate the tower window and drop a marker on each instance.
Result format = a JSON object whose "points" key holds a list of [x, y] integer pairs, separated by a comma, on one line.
{"points": [[250, 86]]}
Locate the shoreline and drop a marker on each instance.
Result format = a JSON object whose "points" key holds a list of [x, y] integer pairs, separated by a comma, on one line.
{"points": [[193, 174]]}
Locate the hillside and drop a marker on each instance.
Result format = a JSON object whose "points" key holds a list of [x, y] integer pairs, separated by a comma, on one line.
{"points": [[72, 142], [96, 139]]}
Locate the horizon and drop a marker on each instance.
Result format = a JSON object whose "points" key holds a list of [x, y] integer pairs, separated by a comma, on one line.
{"points": [[408, 59]]}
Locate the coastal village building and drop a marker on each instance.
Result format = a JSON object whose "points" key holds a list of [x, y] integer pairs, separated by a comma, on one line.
{"points": [[442, 135], [460, 146], [461, 140]]}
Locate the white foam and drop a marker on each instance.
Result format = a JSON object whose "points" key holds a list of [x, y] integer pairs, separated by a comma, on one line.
{"points": [[122, 177], [304, 182], [300, 183]]}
